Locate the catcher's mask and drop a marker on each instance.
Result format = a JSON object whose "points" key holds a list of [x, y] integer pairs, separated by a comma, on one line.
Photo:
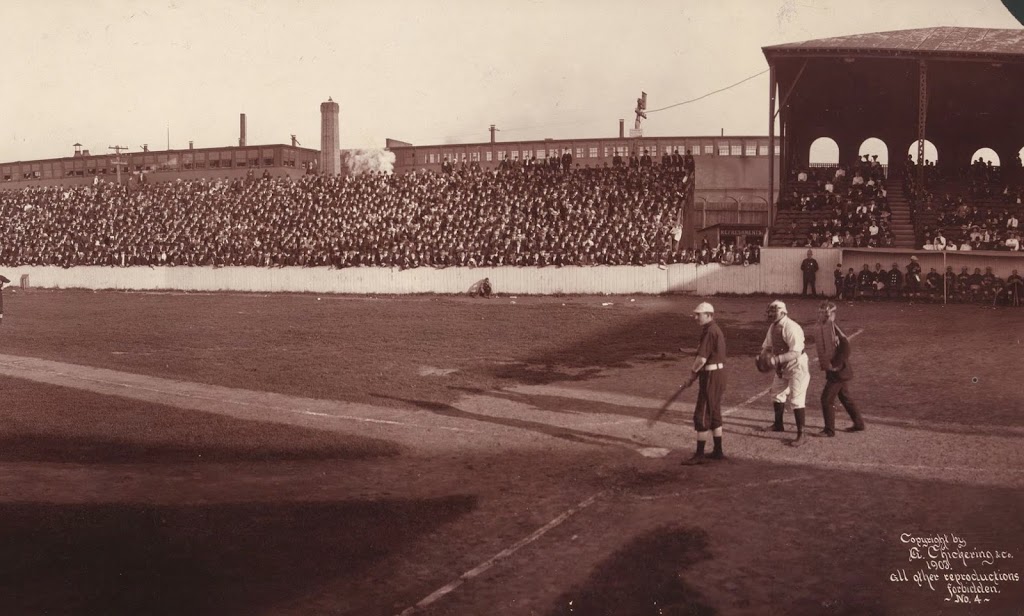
{"points": [[775, 311]]}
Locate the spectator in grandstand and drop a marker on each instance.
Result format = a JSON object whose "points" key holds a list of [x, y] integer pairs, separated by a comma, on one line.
{"points": [[1012, 242]]}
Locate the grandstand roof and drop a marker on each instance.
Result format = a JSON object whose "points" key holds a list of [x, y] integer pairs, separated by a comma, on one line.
{"points": [[945, 41]]}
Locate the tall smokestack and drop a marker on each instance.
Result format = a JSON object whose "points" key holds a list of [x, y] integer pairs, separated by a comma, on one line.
{"points": [[241, 130], [492, 133], [622, 128], [330, 143]]}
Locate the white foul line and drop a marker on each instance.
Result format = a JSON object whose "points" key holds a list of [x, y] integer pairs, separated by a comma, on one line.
{"points": [[222, 400], [490, 562]]}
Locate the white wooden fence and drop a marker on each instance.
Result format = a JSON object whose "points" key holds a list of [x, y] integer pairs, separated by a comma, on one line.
{"points": [[779, 272]]}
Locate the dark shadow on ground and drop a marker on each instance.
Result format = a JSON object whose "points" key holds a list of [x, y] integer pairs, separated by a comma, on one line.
{"points": [[46, 423], [643, 578], [568, 434], [657, 337], [242, 558]]}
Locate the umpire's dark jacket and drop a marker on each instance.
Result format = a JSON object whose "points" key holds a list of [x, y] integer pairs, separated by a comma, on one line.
{"points": [[841, 360]]}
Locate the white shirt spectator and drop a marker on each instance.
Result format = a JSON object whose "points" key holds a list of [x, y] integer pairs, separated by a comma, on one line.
{"points": [[873, 229], [965, 246], [1012, 222], [1012, 243], [802, 176], [829, 187], [939, 242]]}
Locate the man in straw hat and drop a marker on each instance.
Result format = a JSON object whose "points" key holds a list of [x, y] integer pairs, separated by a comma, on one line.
{"points": [[834, 358], [709, 370]]}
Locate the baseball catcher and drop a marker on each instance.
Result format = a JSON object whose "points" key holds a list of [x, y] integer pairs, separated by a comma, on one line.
{"points": [[784, 347]]}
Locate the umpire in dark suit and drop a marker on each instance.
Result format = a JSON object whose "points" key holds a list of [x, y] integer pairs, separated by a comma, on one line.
{"points": [[834, 357], [809, 267]]}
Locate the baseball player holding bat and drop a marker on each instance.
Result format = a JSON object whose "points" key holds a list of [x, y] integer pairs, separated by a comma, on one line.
{"points": [[708, 370]]}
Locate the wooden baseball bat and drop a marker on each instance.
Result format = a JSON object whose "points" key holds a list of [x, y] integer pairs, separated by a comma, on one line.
{"points": [[664, 407]]}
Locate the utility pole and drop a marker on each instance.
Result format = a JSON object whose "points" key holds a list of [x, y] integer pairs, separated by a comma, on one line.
{"points": [[118, 163]]}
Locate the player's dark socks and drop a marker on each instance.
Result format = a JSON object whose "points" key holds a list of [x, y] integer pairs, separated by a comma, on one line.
{"points": [[800, 416], [778, 426], [860, 428], [717, 454], [698, 457]]}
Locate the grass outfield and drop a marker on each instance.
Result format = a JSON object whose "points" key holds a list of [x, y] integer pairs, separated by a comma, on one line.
{"points": [[402, 442]]}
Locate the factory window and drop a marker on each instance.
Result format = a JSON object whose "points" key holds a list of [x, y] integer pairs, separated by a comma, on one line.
{"points": [[487, 155], [475, 157], [723, 149], [515, 154], [751, 149], [501, 155], [526, 155], [777, 149], [579, 152], [540, 153], [762, 150], [709, 149], [593, 152], [736, 150]]}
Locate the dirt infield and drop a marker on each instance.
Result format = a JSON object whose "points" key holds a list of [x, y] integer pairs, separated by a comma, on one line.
{"points": [[242, 454]]}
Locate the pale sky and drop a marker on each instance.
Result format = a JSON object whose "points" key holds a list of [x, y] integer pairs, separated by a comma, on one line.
{"points": [[123, 72]]}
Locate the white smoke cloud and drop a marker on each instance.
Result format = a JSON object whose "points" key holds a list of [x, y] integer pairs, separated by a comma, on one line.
{"points": [[362, 161]]}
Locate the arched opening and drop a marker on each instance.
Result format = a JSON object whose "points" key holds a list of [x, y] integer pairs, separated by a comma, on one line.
{"points": [[873, 146], [985, 156], [824, 152], [931, 154]]}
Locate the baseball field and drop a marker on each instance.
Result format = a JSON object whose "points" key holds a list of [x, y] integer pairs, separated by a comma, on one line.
{"points": [[167, 453]]}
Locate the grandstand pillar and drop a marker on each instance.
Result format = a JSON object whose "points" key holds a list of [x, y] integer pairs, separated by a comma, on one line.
{"points": [[922, 116], [771, 146], [849, 148]]}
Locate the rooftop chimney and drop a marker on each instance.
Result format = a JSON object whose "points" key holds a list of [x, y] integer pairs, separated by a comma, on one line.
{"points": [[622, 128], [190, 145], [492, 133], [241, 130]]}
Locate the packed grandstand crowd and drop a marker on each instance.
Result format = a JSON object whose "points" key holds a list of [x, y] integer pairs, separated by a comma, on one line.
{"points": [[982, 215], [854, 202], [521, 215]]}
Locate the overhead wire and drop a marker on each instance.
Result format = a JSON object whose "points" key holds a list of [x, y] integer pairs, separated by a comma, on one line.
{"points": [[593, 121]]}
